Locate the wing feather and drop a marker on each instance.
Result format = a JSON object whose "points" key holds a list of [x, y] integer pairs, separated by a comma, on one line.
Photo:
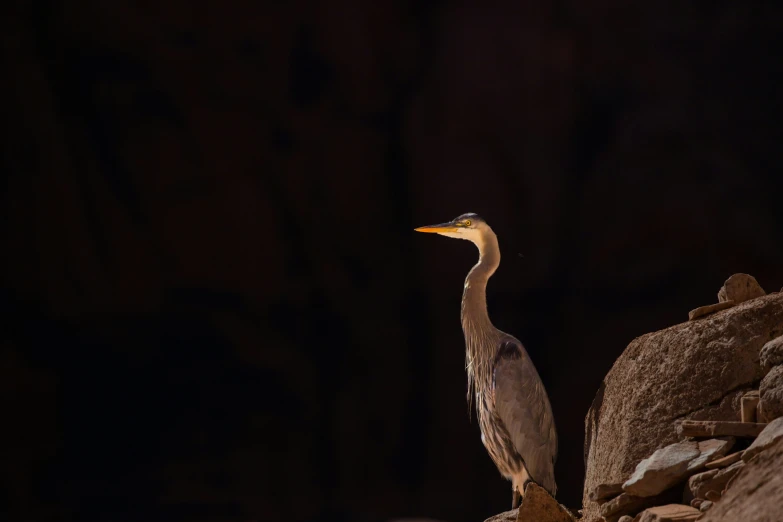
{"points": [[523, 406]]}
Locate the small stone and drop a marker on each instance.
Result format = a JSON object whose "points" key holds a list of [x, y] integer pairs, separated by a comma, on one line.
{"points": [[724, 462], [707, 504], [696, 502], [771, 354], [708, 309], [740, 288], [605, 491], [669, 513], [712, 495], [769, 436], [625, 518], [771, 392]]}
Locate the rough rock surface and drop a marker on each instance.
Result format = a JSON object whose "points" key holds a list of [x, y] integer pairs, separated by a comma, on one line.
{"points": [[771, 354], [672, 464], [770, 436], [669, 513], [724, 462], [771, 394], [756, 494], [715, 479], [696, 370], [706, 310], [740, 288], [539, 506], [605, 491], [627, 504], [506, 516]]}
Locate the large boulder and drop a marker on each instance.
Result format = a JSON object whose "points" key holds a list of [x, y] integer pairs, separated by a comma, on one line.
{"points": [[696, 370], [756, 494]]}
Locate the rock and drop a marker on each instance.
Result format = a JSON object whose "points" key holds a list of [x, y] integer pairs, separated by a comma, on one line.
{"points": [[605, 491], [740, 288], [710, 450], [708, 309], [672, 464], [627, 504], [756, 493], [681, 372], [539, 506], [506, 516], [625, 518], [712, 428], [661, 470], [707, 504], [715, 479], [771, 393], [770, 436], [748, 405], [696, 502], [712, 495], [771, 354], [726, 461], [669, 513]]}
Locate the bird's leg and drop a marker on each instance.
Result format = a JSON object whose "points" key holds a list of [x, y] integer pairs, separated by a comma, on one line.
{"points": [[516, 497]]}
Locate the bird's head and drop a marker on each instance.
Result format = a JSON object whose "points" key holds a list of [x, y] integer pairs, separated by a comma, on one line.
{"points": [[467, 226]]}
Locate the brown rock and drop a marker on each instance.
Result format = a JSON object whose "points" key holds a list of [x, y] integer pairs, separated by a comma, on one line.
{"points": [[661, 470], [680, 372], [669, 513], [740, 288], [708, 309], [506, 516], [716, 479], [726, 461], [672, 464], [625, 518], [539, 506], [707, 504], [748, 406], [767, 438], [605, 491], [712, 428], [771, 354], [627, 504], [771, 392], [712, 495], [696, 502]]}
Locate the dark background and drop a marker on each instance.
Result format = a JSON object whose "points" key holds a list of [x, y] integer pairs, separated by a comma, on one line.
{"points": [[215, 304]]}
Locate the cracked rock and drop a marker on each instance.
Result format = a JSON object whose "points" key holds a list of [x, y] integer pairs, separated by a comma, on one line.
{"points": [[672, 464], [715, 479]]}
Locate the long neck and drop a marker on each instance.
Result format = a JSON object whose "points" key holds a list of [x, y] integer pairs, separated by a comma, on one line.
{"points": [[476, 325]]}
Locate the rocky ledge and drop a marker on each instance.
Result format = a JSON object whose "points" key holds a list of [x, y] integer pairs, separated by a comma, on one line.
{"points": [[688, 423]]}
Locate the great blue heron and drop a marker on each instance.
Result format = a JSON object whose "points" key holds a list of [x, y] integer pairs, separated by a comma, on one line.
{"points": [[515, 417]]}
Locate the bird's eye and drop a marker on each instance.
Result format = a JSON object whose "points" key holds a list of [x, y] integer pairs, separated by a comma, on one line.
{"points": [[467, 222]]}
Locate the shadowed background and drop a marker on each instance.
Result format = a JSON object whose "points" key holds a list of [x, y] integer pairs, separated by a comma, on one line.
{"points": [[215, 304]]}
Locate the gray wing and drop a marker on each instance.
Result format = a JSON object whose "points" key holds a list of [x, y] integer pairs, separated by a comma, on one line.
{"points": [[522, 404]]}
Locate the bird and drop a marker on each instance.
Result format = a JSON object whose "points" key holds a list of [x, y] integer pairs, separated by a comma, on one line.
{"points": [[515, 416]]}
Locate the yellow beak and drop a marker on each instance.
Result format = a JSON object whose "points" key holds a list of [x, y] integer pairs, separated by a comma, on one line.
{"points": [[434, 229]]}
